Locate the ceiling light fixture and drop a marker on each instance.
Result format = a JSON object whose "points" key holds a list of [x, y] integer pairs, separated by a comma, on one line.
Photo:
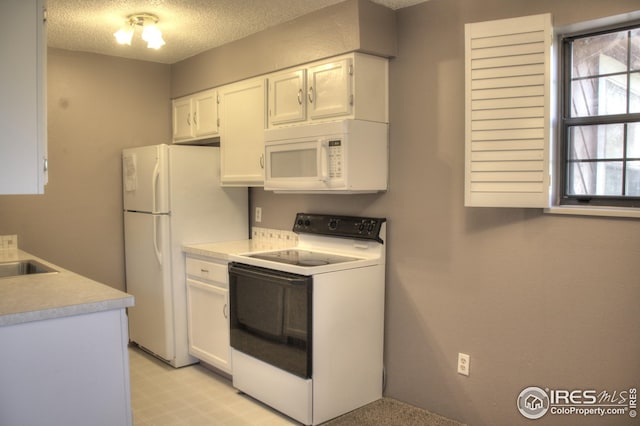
{"points": [[150, 33]]}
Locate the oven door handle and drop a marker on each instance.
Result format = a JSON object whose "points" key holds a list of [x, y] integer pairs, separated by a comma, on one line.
{"points": [[255, 273]]}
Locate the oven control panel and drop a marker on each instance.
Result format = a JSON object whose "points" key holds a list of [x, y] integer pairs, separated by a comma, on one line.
{"points": [[362, 228]]}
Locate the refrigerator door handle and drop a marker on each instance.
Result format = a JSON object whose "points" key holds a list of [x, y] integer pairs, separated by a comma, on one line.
{"points": [[154, 186], [156, 246]]}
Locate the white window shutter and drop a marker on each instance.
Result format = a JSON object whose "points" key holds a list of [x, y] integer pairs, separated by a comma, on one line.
{"points": [[508, 112]]}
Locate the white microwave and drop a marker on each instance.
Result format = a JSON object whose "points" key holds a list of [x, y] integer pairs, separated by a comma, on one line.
{"points": [[346, 156]]}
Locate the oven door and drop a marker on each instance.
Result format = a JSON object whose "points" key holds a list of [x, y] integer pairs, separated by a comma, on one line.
{"points": [[270, 316]]}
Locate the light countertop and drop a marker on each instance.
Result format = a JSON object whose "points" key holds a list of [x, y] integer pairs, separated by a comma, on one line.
{"points": [[35, 297], [263, 239], [221, 250]]}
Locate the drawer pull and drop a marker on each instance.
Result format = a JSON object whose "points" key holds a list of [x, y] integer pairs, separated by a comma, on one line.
{"points": [[206, 271]]}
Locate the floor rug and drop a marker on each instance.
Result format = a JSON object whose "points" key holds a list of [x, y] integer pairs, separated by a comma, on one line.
{"points": [[390, 412]]}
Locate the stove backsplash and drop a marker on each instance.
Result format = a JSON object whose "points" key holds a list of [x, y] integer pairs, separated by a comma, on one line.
{"points": [[9, 242], [272, 239]]}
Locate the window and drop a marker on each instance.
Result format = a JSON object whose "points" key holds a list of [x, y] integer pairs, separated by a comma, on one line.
{"points": [[582, 157], [600, 140]]}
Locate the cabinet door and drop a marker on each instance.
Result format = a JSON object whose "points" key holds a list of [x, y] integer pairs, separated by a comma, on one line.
{"points": [[287, 97], [182, 119], [205, 113], [242, 123], [23, 154], [208, 323], [329, 90]]}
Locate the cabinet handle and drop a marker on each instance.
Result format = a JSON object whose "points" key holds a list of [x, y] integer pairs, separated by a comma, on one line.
{"points": [[46, 165], [311, 94], [205, 271], [262, 161], [189, 119], [299, 96], [224, 311], [195, 118]]}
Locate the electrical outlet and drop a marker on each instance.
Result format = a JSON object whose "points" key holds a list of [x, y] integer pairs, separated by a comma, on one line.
{"points": [[258, 214], [463, 364]]}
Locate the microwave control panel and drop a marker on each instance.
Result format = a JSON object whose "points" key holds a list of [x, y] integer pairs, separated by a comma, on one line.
{"points": [[335, 159]]}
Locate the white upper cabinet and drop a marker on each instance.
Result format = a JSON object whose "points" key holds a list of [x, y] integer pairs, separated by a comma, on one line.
{"points": [[195, 117], [23, 146], [205, 114], [182, 129], [350, 86], [287, 97], [353, 86], [242, 124], [329, 91]]}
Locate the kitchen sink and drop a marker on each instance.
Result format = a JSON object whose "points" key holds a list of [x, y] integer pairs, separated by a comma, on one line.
{"points": [[23, 267]]}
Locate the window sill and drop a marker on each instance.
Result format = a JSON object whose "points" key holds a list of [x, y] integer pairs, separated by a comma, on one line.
{"points": [[594, 211]]}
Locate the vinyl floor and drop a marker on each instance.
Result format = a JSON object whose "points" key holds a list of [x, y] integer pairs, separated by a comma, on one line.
{"points": [[195, 396], [191, 396]]}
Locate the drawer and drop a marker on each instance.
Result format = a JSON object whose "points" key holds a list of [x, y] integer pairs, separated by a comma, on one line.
{"points": [[209, 271]]}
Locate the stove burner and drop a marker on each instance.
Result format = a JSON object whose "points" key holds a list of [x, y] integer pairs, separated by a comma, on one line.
{"points": [[302, 257]]}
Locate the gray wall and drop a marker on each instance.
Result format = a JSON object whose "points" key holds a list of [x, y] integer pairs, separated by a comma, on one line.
{"points": [[535, 299], [97, 105]]}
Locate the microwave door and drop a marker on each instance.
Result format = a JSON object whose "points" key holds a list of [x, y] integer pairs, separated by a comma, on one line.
{"points": [[297, 165]]}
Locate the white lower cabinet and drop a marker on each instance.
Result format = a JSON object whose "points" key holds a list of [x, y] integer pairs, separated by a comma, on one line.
{"points": [[208, 311], [64, 371]]}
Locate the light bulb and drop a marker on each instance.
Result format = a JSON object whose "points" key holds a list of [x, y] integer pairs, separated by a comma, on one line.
{"points": [[124, 35], [152, 35]]}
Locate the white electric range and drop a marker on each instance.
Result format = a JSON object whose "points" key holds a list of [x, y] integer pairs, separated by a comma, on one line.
{"points": [[307, 323]]}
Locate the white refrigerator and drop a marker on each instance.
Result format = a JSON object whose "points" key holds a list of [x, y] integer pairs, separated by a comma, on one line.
{"points": [[172, 196]]}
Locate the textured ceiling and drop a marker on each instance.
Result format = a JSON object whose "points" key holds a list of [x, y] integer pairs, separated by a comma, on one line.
{"points": [[188, 26]]}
